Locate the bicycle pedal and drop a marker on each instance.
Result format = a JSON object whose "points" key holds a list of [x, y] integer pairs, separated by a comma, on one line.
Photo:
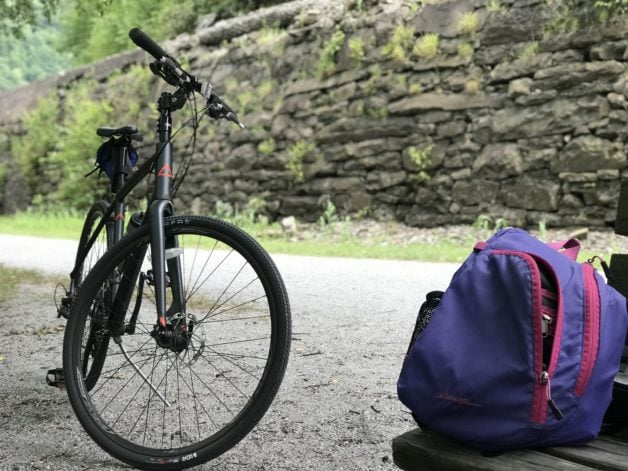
{"points": [[56, 378]]}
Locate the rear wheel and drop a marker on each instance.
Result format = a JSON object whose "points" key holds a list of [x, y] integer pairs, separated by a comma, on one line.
{"points": [[96, 344], [177, 397]]}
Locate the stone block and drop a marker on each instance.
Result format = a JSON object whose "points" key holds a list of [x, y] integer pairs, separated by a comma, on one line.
{"points": [[588, 154], [499, 161], [528, 193]]}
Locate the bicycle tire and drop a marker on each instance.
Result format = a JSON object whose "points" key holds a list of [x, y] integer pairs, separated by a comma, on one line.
{"points": [[230, 367], [96, 213], [94, 357]]}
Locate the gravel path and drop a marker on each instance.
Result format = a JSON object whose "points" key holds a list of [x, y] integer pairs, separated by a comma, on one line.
{"points": [[337, 408]]}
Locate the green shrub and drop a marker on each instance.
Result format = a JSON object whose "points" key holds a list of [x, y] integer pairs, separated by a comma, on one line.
{"points": [[43, 133], [60, 145], [77, 149]]}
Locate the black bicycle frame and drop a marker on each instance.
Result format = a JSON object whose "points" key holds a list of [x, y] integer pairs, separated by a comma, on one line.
{"points": [[164, 251]]}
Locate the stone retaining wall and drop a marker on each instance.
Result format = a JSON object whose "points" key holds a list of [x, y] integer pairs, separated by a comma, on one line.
{"points": [[513, 116]]}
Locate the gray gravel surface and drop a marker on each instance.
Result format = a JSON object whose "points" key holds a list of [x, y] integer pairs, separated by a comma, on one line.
{"points": [[337, 408]]}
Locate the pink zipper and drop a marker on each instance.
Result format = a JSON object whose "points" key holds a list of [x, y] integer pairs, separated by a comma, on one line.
{"points": [[591, 341], [541, 395]]}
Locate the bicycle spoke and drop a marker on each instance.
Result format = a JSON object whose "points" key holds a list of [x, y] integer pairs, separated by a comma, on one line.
{"points": [[207, 367]]}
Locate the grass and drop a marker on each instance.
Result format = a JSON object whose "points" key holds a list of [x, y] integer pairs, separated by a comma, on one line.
{"points": [[328, 241], [11, 278], [269, 236], [57, 226]]}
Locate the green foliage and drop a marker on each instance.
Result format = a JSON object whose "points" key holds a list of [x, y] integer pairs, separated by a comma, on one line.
{"points": [[428, 46], [542, 229], [422, 159], [246, 101], [245, 216], [495, 6], [267, 146], [76, 149], [30, 57], [269, 34], [296, 154], [43, 130], [356, 49], [614, 6], [326, 64], [607, 9], [15, 15], [468, 23], [488, 223], [95, 31], [266, 88], [530, 50], [60, 144], [329, 215], [399, 44], [465, 50], [415, 89]]}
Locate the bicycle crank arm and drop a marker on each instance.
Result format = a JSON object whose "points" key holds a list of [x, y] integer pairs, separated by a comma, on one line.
{"points": [[118, 340]]}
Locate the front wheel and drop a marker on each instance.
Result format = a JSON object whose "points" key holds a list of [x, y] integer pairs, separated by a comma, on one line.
{"points": [[175, 399]]}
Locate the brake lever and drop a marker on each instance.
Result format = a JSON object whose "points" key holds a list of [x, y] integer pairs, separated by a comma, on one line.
{"points": [[217, 109]]}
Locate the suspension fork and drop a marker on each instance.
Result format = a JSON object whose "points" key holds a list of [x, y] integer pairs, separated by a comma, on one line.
{"points": [[164, 251]]}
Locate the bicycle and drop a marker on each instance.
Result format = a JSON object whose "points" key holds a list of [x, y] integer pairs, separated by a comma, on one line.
{"points": [[178, 337]]}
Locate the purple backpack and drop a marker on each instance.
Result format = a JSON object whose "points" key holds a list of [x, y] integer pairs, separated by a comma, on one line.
{"points": [[521, 350]]}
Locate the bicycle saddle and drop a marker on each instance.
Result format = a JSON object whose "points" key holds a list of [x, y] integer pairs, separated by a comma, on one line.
{"points": [[127, 130]]}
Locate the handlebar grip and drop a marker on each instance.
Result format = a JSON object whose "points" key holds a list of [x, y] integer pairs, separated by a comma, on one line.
{"points": [[141, 39]]}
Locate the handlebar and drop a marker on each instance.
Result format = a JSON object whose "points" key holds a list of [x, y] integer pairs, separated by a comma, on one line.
{"points": [[145, 42], [171, 71]]}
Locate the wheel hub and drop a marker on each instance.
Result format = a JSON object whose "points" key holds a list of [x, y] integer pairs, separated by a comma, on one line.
{"points": [[175, 336]]}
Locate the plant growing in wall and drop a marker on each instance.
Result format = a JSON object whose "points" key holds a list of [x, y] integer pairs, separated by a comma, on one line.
{"points": [[356, 50], [326, 64], [428, 46], [468, 23], [495, 6], [421, 157], [399, 44], [465, 50], [530, 50], [296, 155], [267, 146]]}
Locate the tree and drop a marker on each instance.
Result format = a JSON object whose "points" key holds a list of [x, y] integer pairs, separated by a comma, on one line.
{"points": [[14, 14]]}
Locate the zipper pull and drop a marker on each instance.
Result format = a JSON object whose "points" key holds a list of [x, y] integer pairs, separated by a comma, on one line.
{"points": [[545, 323], [548, 393], [603, 264]]}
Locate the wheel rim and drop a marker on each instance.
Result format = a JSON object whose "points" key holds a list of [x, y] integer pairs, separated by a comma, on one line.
{"points": [[211, 386]]}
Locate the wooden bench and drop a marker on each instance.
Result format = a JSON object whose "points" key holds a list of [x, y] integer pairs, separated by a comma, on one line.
{"points": [[418, 450]]}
